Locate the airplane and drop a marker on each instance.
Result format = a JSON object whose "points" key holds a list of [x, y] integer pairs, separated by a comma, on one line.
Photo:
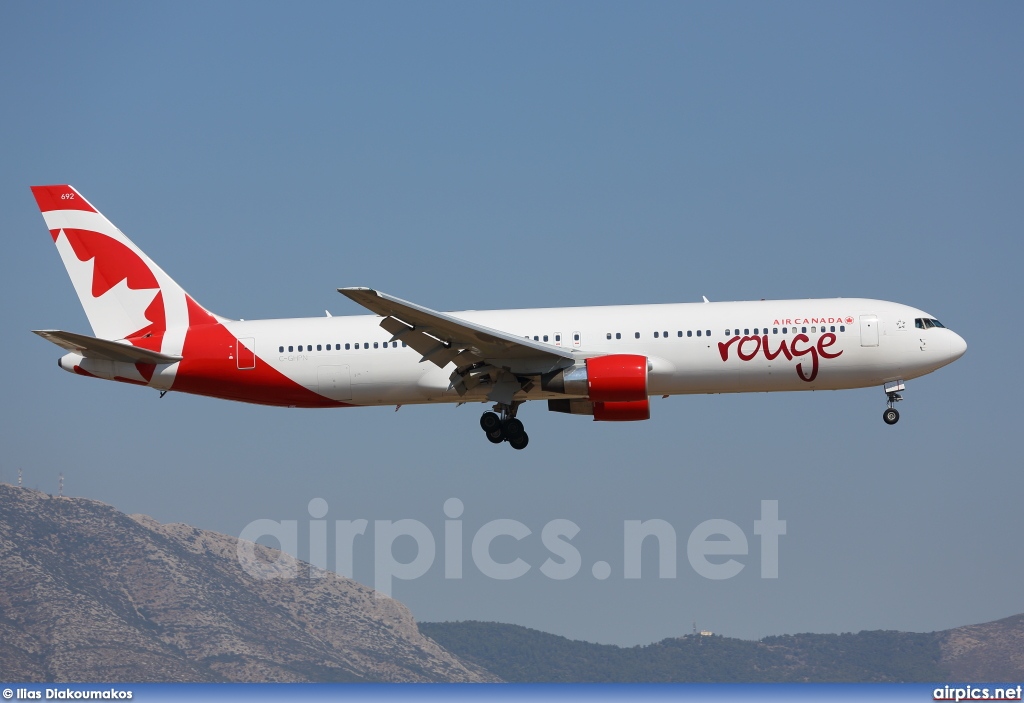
{"points": [[603, 362]]}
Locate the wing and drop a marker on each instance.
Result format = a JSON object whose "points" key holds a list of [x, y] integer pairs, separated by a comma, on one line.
{"points": [[93, 348], [481, 354]]}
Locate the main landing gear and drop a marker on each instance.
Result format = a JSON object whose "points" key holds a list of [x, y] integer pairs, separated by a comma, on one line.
{"points": [[505, 427], [891, 415]]}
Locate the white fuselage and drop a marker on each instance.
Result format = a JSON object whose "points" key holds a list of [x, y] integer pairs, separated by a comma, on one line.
{"points": [[692, 347]]}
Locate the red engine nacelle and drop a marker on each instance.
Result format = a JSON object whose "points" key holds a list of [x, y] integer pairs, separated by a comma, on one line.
{"points": [[615, 388], [617, 378], [623, 412]]}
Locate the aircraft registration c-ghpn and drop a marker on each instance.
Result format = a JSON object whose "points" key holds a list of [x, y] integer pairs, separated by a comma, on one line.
{"points": [[605, 362]]}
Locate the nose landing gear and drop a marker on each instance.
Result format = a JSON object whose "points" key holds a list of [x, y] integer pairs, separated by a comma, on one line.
{"points": [[505, 427], [891, 415]]}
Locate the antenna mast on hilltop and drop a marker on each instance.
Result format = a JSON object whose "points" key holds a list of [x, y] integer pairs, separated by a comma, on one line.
{"points": [[19, 478], [60, 486]]}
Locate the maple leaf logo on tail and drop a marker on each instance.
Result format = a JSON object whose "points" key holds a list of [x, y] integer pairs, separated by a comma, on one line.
{"points": [[126, 296]]}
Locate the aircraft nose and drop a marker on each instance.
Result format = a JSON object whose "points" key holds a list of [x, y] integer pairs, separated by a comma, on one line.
{"points": [[957, 347]]}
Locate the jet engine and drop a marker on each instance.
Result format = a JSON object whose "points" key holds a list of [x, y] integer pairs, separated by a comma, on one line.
{"points": [[613, 388]]}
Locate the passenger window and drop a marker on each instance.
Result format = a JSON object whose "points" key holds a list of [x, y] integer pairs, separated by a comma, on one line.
{"points": [[404, 344], [394, 345], [536, 338], [680, 333], [707, 333], [655, 335], [832, 329], [689, 333], [319, 347], [842, 328], [608, 336], [618, 335], [665, 335], [280, 349], [558, 338], [637, 335], [775, 330], [746, 330], [698, 333], [576, 337], [374, 345], [545, 338], [813, 330], [346, 346], [291, 349]]}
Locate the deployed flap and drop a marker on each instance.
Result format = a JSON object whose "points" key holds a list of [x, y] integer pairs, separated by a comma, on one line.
{"points": [[440, 337], [93, 348]]}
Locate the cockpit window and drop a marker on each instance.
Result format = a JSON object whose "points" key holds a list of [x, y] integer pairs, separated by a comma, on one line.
{"points": [[923, 323], [936, 323]]}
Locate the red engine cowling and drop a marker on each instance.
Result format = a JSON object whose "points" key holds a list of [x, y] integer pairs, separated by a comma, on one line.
{"points": [[614, 387], [623, 412], [617, 378]]}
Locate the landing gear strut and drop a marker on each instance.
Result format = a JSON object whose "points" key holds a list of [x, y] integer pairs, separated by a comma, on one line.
{"points": [[504, 427], [891, 415]]}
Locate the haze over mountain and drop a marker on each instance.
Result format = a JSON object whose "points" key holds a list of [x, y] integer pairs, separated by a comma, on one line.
{"points": [[92, 594], [989, 652]]}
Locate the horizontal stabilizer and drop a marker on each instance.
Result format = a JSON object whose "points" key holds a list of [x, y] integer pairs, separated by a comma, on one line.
{"points": [[93, 348]]}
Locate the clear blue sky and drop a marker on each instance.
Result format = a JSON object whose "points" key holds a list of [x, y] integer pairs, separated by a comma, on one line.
{"points": [[487, 155]]}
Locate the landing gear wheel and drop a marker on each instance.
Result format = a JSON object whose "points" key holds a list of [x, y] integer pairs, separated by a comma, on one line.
{"points": [[514, 428], [520, 441], [490, 422], [502, 425], [891, 416]]}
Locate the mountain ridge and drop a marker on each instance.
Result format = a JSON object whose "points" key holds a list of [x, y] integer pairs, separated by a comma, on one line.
{"points": [[92, 594], [991, 651]]}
